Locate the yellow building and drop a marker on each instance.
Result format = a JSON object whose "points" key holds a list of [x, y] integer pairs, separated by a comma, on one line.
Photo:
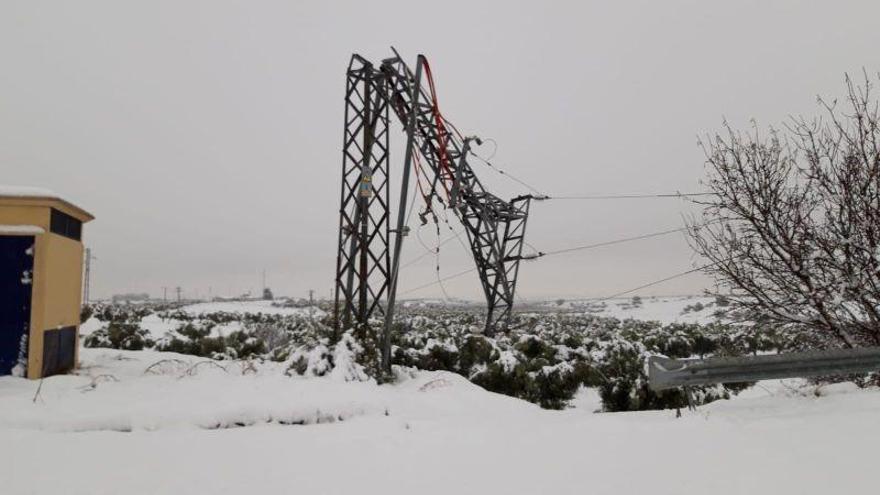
{"points": [[41, 264]]}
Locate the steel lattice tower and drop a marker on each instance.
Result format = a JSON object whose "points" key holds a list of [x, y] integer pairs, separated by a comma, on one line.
{"points": [[495, 227], [363, 259]]}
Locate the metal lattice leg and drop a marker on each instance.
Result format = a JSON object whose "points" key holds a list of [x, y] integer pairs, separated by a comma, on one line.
{"points": [[363, 258]]}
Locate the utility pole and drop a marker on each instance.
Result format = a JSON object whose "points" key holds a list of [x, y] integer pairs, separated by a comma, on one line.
{"points": [[88, 275], [311, 304], [178, 289]]}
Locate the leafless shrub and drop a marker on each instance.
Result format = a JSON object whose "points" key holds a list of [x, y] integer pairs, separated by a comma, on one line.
{"points": [[194, 369], [93, 384], [162, 367], [273, 336], [37, 393], [793, 229], [248, 366]]}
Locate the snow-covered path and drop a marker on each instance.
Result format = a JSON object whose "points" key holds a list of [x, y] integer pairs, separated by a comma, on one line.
{"points": [[435, 433]]}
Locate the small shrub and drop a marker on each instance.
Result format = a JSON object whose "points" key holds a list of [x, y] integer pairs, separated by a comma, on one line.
{"points": [[504, 377], [120, 335], [475, 351], [552, 387], [86, 312], [439, 357]]}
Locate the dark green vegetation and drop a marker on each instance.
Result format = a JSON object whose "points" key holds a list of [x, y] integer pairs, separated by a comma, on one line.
{"points": [[544, 359]]}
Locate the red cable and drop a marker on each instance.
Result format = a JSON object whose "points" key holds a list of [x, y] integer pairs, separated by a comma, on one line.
{"points": [[419, 176], [441, 130]]}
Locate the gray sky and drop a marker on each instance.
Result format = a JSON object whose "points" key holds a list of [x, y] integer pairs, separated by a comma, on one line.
{"points": [[206, 136]]}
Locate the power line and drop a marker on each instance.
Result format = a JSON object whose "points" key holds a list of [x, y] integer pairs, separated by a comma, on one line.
{"points": [[657, 282], [636, 196], [490, 164], [469, 270], [436, 253], [610, 243], [627, 239], [427, 252], [544, 196], [506, 174], [559, 251]]}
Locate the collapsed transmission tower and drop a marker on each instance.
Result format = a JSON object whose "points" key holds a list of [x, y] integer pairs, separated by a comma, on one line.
{"points": [[365, 272]]}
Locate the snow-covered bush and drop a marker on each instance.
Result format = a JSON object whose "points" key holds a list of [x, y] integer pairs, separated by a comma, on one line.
{"points": [[311, 360], [86, 312], [474, 352], [507, 375], [120, 335], [546, 358], [625, 384], [543, 358], [200, 339], [119, 312], [344, 361]]}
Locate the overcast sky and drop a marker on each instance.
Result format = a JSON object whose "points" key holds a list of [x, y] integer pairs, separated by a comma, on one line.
{"points": [[206, 136]]}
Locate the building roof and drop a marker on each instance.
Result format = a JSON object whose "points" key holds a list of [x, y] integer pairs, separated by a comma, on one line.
{"points": [[27, 192], [22, 229], [41, 196]]}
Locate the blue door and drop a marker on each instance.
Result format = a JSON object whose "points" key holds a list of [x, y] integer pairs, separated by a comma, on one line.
{"points": [[16, 282]]}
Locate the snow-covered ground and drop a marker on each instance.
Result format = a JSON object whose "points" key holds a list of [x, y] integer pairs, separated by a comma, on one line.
{"points": [[255, 306], [157, 327], [123, 426], [665, 309], [681, 309]]}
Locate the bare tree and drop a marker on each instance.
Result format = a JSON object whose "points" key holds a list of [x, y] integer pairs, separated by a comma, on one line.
{"points": [[793, 229]]}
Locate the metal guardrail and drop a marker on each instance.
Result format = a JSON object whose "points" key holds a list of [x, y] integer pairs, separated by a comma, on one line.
{"points": [[665, 373]]}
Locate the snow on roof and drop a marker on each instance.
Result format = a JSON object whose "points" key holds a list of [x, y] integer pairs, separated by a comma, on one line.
{"points": [[21, 229], [27, 192], [40, 193]]}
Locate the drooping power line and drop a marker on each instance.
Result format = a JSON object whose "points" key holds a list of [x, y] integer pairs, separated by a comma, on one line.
{"points": [[610, 243], [541, 195], [549, 253], [634, 196], [439, 281], [658, 282]]}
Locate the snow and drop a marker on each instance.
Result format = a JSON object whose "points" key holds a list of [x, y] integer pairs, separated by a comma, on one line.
{"points": [[255, 306], [669, 309], [21, 230], [345, 367], [91, 325], [179, 392], [158, 327], [155, 326], [186, 427], [26, 192]]}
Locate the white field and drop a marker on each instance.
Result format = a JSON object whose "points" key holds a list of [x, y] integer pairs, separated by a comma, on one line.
{"points": [[255, 306], [187, 426], [180, 429], [665, 309], [158, 327]]}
